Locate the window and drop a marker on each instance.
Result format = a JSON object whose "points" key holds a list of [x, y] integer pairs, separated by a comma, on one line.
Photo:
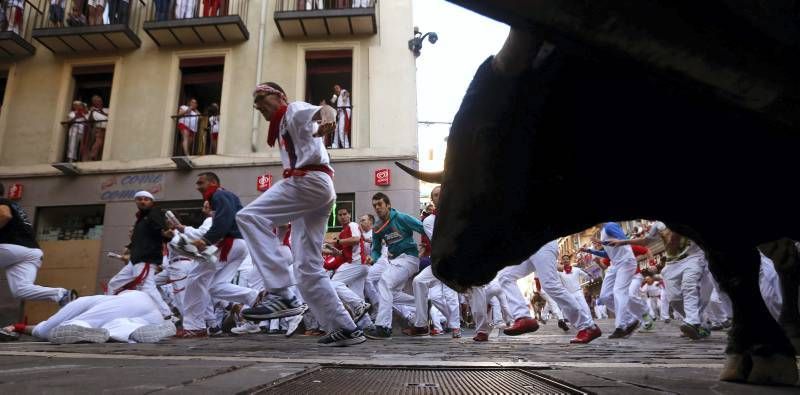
{"points": [[325, 71], [197, 117], [87, 117], [3, 82], [347, 200], [70, 223]]}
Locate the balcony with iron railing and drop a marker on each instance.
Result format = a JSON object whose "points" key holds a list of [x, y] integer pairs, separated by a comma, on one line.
{"points": [[204, 23], [323, 18], [80, 28], [194, 135], [16, 28]]}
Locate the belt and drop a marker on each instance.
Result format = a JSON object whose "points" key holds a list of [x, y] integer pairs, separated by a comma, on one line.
{"points": [[302, 171]]}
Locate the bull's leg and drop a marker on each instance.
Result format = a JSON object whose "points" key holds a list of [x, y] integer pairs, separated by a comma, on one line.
{"points": [[758, 350], [785, 255]]}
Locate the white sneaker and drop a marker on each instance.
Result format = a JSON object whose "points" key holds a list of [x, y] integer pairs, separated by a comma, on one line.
{"points": [[69, 334], [248, 328], [292, 323]]}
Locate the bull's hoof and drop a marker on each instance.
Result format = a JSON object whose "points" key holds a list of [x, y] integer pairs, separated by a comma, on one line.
{"points": [[764, 370], [736, 368], [773, 370]]}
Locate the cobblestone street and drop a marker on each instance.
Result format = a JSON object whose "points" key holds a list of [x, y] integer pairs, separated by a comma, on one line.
{"points": [[656, 361]]}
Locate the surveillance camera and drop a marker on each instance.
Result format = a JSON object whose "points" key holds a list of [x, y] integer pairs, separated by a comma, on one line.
{"points": [[433, 38]]}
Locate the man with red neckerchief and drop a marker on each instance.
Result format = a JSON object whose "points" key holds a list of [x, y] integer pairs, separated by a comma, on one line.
{"points": [[210, 280], [303, 198]]}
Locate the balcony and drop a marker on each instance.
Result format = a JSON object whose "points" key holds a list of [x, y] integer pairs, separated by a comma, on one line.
{"points": [[15, 40], [195, 135], [325, 18], [77, 32], [202, 25]]}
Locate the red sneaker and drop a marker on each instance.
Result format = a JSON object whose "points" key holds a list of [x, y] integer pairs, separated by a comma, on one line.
{"points": [[415, 331], [522, 325], [481, 337], [191, 334], [435, 332], [586, 335]]}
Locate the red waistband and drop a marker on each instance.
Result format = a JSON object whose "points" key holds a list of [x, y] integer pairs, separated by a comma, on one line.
{"points": [[302, 171]]}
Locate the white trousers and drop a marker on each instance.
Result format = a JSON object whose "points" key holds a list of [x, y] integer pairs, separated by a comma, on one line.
{"points": [[305, 202], [353, 275], [213, 281], [770, 287], [543, 262], [74, 142], [600, 311], [120, 314], [428, 287], [185, 9], [398, 271], [615, 293], [131, 272], [683, 281], [664, 304], [479, 303], [445, 300], [21, 265], [654, 306], [340, 139], [637, 305], [360, 3], [374, 274]]}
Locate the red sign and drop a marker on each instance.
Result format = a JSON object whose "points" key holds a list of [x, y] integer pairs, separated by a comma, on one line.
{"points": [[264, 182], [15, 192], [383, 177]]}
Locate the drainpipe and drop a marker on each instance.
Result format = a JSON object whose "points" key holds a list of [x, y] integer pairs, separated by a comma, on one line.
{"points": [[259, 62]]}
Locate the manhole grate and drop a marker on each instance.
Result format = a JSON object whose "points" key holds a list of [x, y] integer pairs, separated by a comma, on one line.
{"points": [[331, 380]]}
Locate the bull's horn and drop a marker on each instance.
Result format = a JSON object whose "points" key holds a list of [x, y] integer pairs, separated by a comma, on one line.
{"points": [[427, 176]]}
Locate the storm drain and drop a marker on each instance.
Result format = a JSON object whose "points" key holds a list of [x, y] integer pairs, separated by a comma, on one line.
{"points": [[331, 380]]}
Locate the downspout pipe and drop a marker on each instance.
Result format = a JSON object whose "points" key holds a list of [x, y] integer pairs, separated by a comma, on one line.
{"points": [[262, 30]]}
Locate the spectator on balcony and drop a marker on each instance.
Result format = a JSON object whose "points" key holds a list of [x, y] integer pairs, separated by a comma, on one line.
{"points": [[308, 5], [341, 100], [213, 125], [162, 10], [98, 119], [360, 3], [57, 12], [14, 11], [96, 10], [76, 17], [184, 9], [76, 145], [213, 7], [118, 11], [187, 125]]}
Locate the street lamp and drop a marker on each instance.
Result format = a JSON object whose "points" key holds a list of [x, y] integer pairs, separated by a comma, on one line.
{"points": [[415, 44]]}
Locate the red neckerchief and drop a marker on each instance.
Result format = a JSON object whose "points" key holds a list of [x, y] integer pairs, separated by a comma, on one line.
{"points": [[210, 192], [274, 125]]}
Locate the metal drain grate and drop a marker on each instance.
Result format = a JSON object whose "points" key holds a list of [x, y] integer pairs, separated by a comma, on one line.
{"points": [[331, 380]]}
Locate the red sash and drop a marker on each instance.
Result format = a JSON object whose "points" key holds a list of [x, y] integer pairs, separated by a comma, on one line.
{"points": [[136, 281]]}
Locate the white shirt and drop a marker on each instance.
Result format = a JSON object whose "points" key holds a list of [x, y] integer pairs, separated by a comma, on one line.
{"points": [[572, 281], [100, 116], [198, 233], [342, 100], [79, 120], [427, 225], [367, 240], [189, 118], [299, 147], [213, 122], [617, 254], [355, 231], [690, 248]]}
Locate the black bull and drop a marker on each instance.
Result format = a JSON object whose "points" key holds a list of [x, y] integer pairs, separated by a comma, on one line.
{"points": [[589, 135]]}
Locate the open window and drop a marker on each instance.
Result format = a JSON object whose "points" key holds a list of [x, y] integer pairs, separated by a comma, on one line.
{"points": [[325, 70], [87, 116], [197, 117]]}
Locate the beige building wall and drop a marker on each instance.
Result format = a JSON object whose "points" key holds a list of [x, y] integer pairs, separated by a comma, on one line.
{"points": [[145, 93]]}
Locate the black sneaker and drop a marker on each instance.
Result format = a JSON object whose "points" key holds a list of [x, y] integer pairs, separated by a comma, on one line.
{"points": [[342, 338], [631, 328], [563, 325], [8, 336], [619, 333], [215, 331], [694, 332], [273, 306], [378, 333]]}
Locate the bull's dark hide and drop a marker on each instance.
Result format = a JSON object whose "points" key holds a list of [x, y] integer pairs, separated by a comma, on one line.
{"points": [[589, 136]]}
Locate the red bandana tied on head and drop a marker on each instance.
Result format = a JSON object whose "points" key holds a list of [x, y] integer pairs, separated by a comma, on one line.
{"points": [[210, 192], [274, 125]]}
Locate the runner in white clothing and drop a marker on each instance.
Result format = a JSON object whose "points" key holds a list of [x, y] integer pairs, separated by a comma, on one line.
{"points": [[304, 199]]}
